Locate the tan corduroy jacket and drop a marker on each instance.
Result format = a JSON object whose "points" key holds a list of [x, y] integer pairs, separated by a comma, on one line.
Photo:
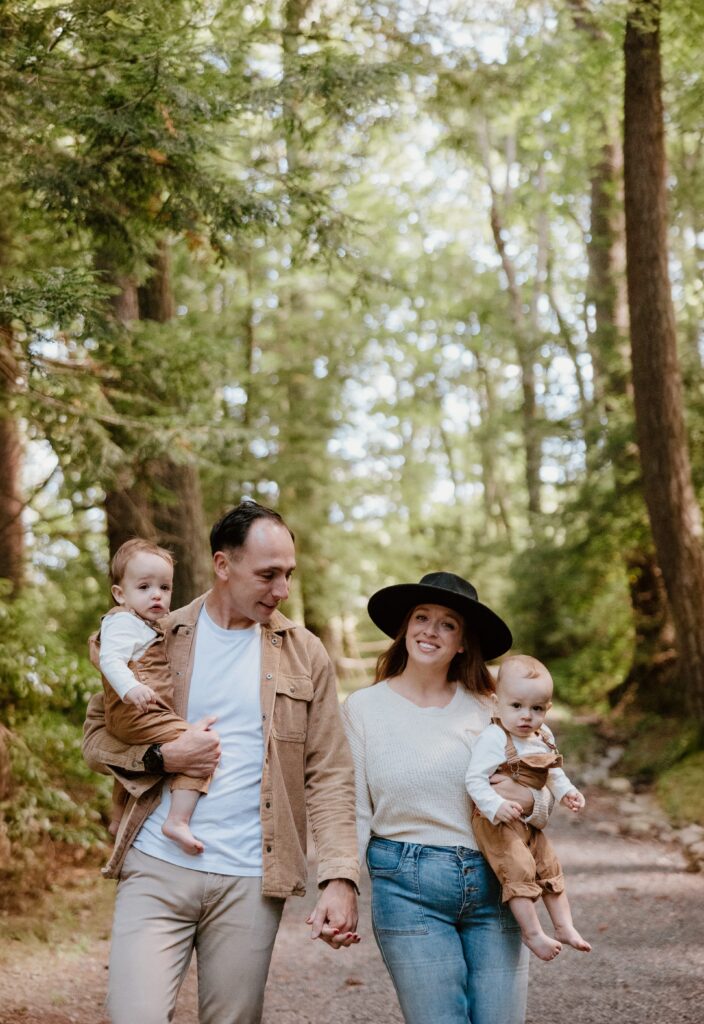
{"points": [[307, 763]]}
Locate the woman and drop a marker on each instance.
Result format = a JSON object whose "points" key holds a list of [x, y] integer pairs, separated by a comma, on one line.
{"points": [[454, 953]]}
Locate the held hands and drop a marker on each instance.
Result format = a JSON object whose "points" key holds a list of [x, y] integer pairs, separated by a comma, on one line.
{"points": [[508, 810], [196, 752], [141, 696], [334, 918], [574, 800]]}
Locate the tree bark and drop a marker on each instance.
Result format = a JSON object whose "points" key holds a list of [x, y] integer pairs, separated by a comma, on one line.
{"points": [[673, 510], [175, 498], [525, 343], [11, 529]]}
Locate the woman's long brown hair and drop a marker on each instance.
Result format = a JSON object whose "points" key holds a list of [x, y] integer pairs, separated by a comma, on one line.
{"points": [[467, 668]]}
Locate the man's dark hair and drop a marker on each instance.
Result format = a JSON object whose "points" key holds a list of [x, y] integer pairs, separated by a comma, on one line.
{"points": [[231, 531]]}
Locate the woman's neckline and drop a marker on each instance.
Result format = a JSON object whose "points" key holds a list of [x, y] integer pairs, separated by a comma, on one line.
{"points": [[434, 708]]}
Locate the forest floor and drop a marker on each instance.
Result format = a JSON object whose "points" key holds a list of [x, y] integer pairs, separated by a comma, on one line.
{"points": [[632, 897]]}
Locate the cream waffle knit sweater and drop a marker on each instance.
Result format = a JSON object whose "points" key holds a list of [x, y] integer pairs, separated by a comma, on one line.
{"points": [[410, 766]]}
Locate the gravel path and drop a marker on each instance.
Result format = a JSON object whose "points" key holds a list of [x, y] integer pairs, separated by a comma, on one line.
{"points": [[633, 899]]}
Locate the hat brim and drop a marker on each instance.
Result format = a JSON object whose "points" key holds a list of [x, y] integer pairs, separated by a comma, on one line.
{"points": [[389, 606]]}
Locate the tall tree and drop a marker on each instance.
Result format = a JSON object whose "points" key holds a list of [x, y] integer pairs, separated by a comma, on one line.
{"points": [[176, 502], [674, 512]]}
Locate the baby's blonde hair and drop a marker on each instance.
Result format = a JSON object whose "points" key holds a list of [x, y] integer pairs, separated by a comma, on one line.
{"points": [[529, 668], [131, 548]]}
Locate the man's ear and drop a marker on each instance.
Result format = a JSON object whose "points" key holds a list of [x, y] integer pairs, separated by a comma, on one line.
{"points": [[117, 593], [221, 565]]}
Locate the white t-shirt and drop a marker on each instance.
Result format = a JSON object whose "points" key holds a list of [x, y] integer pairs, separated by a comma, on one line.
{"points": [[123, 638], [225, 682]]}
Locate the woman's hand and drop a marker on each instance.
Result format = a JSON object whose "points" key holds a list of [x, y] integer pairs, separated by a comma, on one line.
{"points": [[513, 791]]}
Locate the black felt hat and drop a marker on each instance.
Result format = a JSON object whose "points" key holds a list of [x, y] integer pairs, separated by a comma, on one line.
{"points": [[389, 606]]}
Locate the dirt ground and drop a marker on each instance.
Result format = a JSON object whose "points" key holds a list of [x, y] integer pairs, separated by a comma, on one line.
{"points": [[633, 899]]}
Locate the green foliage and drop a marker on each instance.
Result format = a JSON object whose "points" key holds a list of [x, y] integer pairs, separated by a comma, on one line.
{"points": [[681, 792], [655, 745], [54, 802], [570, 608], [37, 670]]}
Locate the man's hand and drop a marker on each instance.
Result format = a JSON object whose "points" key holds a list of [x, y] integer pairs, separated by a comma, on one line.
{"points": [[195, 752], [334, 918], [574, 800], [508, 810], [513, 791]]}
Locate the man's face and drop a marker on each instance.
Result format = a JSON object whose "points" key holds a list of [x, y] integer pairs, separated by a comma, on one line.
{"points": [[255, 578]]}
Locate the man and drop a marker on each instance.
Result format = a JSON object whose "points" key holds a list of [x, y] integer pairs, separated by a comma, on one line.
{"points": [[279, 749]]}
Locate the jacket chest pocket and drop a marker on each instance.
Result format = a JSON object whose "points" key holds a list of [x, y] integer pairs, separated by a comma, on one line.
{"points": [[293, 697]]}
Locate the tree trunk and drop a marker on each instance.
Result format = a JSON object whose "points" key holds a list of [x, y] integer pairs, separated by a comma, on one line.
{"points": [[11, 530], [525, 342], [175, 499], [673, 510], [653, 676], [126, 500]]}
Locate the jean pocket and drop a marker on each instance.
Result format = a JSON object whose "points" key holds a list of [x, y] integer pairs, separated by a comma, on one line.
{"points": [[384, 857], [396, 905], [507, 921]]}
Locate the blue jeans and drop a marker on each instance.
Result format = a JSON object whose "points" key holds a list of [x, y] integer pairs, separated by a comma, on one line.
{"points": [[453, 951]]}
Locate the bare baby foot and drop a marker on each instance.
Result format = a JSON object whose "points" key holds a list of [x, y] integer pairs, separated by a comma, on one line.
{"points": [[541, 944], [571, 937], [181, 834]]}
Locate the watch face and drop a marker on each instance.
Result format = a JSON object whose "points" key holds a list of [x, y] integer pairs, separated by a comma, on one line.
{"points": [[152, 760]]}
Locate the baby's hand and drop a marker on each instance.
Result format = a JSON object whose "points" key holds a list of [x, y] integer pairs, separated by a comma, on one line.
{"points": [[574, 800], [508, 811], [141, 696]]}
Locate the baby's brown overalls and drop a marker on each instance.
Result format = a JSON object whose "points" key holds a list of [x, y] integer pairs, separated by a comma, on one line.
{"points": [[160, 723], [521, 857]]}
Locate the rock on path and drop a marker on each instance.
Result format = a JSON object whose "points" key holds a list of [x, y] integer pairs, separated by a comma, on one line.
{"points": [[631, 897]]}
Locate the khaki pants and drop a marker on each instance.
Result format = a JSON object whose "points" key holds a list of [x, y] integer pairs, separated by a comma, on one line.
{"points": [[164, 912]]}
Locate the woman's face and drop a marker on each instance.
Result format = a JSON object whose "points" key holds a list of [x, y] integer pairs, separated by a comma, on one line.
{"points": [[434, 636]]}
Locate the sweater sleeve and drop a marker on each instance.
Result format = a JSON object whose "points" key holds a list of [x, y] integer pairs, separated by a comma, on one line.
{"points": [[123, 638], [354, 727]]}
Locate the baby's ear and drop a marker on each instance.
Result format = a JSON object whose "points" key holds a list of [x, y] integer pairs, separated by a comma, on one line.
{"points": [[548, 706], [494, 698], [117, 593]]}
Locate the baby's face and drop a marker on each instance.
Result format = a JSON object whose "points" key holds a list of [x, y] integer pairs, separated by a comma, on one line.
{"points": [[522, 704], [146, 586]]}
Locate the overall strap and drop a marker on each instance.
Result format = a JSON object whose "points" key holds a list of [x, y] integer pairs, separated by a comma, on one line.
{"points": [[512, 755], [547, 742]]}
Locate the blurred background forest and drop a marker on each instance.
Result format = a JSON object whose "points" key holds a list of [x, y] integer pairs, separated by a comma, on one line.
{"points": [[417, 275]]}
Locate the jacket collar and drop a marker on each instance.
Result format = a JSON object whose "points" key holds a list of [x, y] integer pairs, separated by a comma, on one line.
{"points": [[188, 616]]}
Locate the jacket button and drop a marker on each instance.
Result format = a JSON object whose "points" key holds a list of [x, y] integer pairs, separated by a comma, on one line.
{"points": [[268, 849], [267, 804], [274, 640], [269, 675], [292, 689]]}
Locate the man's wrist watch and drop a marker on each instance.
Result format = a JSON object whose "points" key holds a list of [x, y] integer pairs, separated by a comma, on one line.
{"points": [[153, 760]]}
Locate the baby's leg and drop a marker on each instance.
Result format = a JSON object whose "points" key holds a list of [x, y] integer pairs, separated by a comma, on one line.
{"points": [[558, 908], [532, 933], [178, 823]]}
